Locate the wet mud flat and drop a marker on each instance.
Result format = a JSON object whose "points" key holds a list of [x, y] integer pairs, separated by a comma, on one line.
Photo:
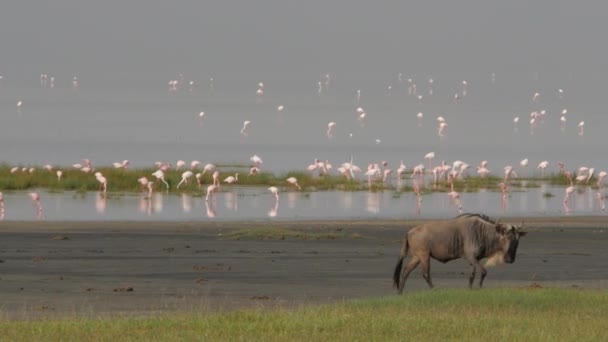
{"points": [[107, 268]]}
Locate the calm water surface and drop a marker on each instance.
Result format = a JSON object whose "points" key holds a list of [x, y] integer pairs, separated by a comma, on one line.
{"points": [[257, 204]]}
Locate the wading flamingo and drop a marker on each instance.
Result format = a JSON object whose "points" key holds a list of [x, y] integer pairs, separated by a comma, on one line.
{"points": [[1, 206], [293, 181], [275, 191], [232, 179], [186, 175], [568, 192], [210, 190], [103, 181], [38, 205], [160, 175]]}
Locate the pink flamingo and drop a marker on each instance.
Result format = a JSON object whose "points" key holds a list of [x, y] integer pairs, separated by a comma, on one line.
{"points": [[331, 128], [245, 129], [216, 178], [179, 164], [232, 179], [418, 197], [256, 160], [483, 171], [275, 191], [198, 177], [143, 181], [385, 174], [600, 178], [600, 199], [293, 181], [568, 192], [442, 128], [103, 182], [536, 96], [210, 190], [150, 186], [542, 166], [121, 165], [36, 198], [186, 175], [208, 168], [1, 206], [504, 190], [430, 156], [254, 170], [401, 169], [160, 175]]}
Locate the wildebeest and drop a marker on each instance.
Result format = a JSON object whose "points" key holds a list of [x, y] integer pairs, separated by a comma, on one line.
{"points": [[469, 236]]}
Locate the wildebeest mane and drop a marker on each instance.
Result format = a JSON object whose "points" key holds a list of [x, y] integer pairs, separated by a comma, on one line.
{"points": [[481, 216]]}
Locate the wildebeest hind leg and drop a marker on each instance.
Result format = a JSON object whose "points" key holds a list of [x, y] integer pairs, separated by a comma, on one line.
{"points": [[409, 267], [426, 271]]}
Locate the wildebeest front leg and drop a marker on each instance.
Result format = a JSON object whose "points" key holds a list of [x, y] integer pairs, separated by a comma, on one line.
{"points": [[406, 272], [475, 265], [472, 276], [483, 274]]}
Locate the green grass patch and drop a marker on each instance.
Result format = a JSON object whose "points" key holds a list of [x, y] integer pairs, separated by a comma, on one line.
{"points": [[278, 233], [125, 180], [510, 314]]}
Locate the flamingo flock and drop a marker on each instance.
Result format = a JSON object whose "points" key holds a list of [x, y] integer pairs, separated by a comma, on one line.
{"points": [[377, 172]]}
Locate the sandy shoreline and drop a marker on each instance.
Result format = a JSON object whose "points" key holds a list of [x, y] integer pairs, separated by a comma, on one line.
{"points": [[105, 268], [532, 222]]}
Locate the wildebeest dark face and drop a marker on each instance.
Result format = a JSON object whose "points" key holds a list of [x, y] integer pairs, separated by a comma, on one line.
{"points": [[511, 240]]}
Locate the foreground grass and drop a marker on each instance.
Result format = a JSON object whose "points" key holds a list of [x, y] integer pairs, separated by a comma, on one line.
{"points": [[489, 314]]}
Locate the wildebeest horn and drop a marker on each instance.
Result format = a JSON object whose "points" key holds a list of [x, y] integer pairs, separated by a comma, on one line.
{"points": [[521, 231]]}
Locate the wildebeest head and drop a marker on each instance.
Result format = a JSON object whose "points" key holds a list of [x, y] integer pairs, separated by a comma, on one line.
{"points": [[508, 240]]}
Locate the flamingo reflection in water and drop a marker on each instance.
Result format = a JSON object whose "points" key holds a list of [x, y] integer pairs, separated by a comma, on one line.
{"points": [[210, 207], [186, 203], [100, 203], [418, 197]]}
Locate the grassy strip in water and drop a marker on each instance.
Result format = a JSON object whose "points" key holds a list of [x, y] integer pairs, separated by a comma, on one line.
{"points": [[509, 314], [125, 180]]}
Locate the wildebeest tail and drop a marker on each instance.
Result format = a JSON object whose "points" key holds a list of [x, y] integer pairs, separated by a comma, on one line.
{"points": [[397, 272]]}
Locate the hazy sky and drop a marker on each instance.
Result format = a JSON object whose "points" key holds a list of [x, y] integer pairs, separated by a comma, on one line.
{"points": [[151, 36]]}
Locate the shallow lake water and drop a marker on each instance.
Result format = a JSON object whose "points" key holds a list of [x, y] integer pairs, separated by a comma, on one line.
{"points": [[258, 204]]}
